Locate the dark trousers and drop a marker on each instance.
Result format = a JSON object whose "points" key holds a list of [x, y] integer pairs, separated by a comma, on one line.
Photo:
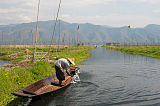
{"points": [[59, 74]]}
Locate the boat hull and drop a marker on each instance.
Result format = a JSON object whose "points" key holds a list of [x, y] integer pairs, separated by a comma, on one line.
{"points": [[44, 86]]}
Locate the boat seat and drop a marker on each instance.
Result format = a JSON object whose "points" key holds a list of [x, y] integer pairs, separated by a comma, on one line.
{"points": [[29, 92], [34, 87]]}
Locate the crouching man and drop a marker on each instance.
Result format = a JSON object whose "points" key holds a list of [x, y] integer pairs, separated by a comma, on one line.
{"points": [[62, 67]]}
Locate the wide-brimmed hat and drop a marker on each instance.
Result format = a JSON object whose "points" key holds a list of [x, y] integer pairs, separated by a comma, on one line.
{"points": [[71, 60]]}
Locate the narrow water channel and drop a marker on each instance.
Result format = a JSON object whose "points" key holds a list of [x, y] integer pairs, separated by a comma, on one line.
{"points": [[4, 62], [111, 78]]}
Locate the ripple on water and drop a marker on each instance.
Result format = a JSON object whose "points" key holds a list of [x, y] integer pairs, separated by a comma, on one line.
{"points": [[111, 78]]}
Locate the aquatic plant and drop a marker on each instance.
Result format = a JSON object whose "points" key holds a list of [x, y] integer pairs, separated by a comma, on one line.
{"points": [[12, 80], [151, 51]]}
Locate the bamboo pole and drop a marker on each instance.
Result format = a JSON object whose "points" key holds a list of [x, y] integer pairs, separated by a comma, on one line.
{"points": [[32, 37], [77, 36], [54, 31], [1, 44], [2, 38], [69, 42], [59, 37], [56, 44], [63, 40], [37, 32]]}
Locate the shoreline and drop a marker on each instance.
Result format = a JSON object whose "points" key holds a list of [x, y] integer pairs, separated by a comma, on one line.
{"points": [[14, 79], [150, 51]]}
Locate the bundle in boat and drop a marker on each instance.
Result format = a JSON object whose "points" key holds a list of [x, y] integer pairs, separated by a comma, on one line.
{"points": [[46, 85]]}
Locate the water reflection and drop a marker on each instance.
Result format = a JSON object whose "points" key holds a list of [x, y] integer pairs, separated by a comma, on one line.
{"points": [[111, 78]]}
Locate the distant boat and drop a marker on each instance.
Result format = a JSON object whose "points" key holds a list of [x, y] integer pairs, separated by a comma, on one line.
{"points": [[46, 85]]}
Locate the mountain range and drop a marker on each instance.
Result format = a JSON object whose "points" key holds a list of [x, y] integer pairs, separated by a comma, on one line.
{"points": [[67, 32]]}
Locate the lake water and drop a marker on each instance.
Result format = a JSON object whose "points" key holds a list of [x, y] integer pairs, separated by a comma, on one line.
{"points": [[4, 62], [111, 78]]}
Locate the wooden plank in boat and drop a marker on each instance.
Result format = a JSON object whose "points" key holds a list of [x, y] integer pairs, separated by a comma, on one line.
{"points": [[43, 86]]}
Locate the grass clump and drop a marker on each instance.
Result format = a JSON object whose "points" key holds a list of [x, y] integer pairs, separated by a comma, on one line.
{"points": [[151, 51], [12, 80], [80, 55], [41, 70]]}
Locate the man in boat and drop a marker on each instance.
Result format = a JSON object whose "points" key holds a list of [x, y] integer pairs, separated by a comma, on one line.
{"points": [[62, 67]]}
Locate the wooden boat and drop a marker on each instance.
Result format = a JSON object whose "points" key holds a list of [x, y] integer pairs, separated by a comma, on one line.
{"points": [[46, 85]]}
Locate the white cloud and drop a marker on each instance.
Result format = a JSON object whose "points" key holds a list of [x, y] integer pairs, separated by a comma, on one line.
{"points": [[116, 20], [156, 11], [14, 10], [144, 1], [82, 3], [18, 11], [14, 18], [25, 18]]}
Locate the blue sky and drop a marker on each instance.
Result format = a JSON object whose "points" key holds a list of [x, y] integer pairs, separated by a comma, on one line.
{"points": [[117, 13]]}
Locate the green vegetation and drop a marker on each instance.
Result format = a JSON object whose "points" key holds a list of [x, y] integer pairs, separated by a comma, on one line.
{"points": [[13, 53], [152, 51], [14, 79], [78, 55], [18, 53]]}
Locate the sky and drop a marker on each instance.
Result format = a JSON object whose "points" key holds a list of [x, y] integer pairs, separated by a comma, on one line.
{"points": [[115, 13]]}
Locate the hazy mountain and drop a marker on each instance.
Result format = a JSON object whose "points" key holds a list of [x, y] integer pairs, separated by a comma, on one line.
{"points": [[23, 33]]}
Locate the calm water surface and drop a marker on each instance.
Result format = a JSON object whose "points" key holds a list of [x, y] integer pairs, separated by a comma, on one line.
{"points": [[111, 78], [4, 62]]}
